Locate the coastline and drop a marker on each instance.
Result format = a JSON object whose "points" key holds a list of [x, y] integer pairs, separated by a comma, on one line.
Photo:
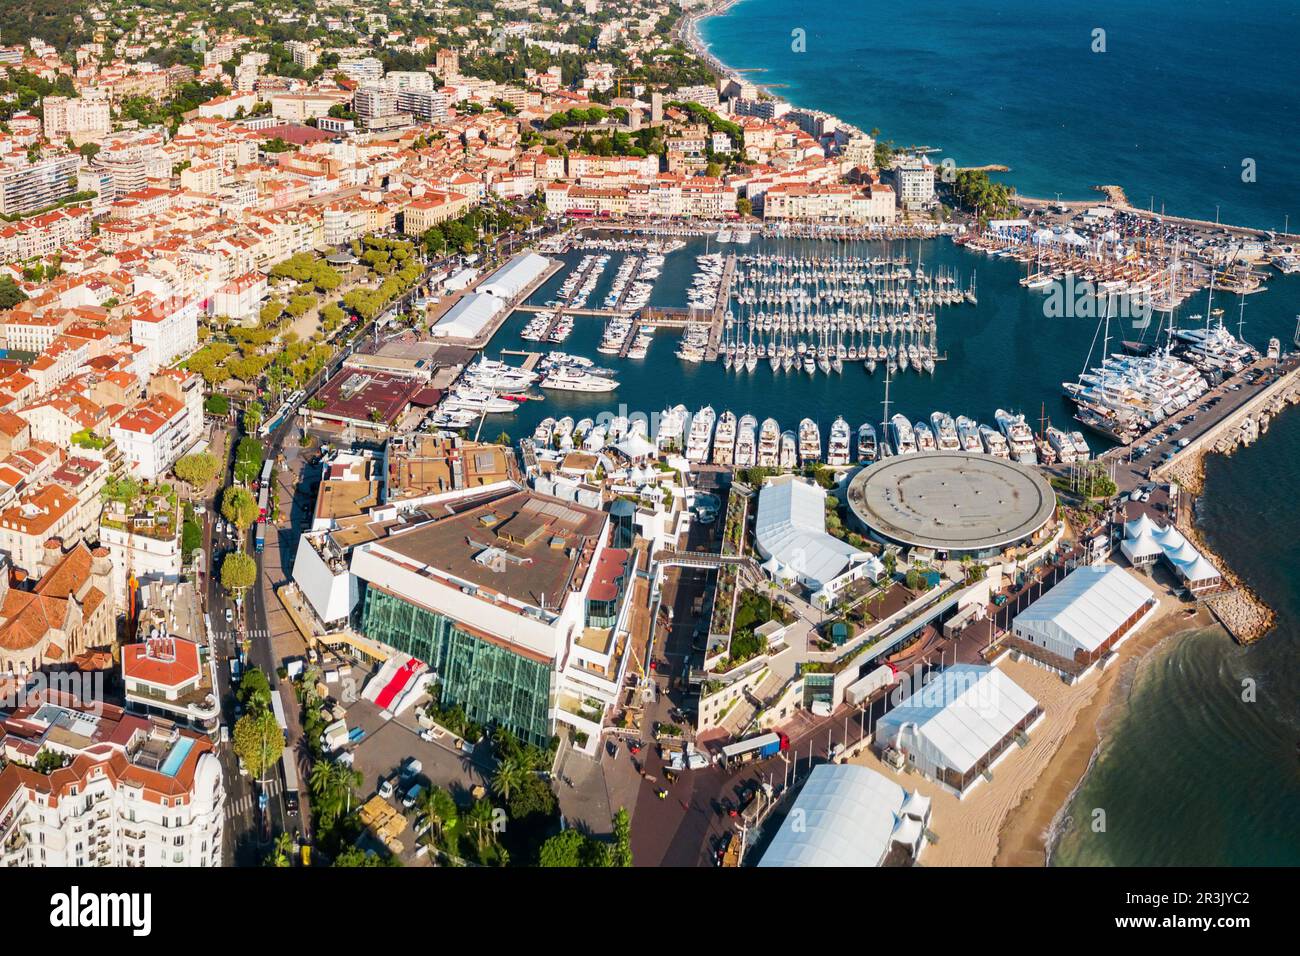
{"points": [[1028, 804], [1028, 834], [689, 33]]}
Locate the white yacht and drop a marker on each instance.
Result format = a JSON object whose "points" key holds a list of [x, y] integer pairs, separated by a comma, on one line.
{"points": [[769, 443], [701, 434], [724, 439], [945, 431], [968, 433], [789, 459], [571, 380], [746, 442], [901, 435], [1020, 438], [810, 442], [867, 447], [994, 443], [839, 444]]}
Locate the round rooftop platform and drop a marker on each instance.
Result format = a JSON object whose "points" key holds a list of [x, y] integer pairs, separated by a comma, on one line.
{"points": [[951, 501]]}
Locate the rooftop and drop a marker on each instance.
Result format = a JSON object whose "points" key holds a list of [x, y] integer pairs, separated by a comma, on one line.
{"points": [[952, 501], [523, 546]]}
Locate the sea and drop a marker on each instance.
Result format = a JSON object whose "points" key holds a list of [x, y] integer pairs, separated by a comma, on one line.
{"points": [[1190, 771], [1170, 101]]}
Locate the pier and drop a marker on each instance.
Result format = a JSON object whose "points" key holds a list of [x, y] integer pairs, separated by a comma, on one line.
{"points": [[1238, 420], [530, 358], [720, 309]]}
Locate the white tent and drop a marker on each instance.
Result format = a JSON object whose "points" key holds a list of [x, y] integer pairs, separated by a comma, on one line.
{"points": [[1139, 526], [1142, 549], [850, 816], [1197, 570], [791, 527], [1083, 611], [955, 721], [516, 275], [1184, 554], [1170, 538], [468, 317], [636, 445]]}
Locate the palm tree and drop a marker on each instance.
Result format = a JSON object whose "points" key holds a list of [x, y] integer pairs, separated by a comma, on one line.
{"points": [[508, 778], [481, 819]]}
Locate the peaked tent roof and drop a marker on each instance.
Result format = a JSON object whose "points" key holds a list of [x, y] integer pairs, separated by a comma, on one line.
{"points": [[964, 712], [851, 816], [791, 527]]}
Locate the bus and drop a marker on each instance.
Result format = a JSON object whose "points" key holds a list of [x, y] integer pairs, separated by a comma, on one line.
{"points": [[259, 540], [754, 748], [277, 707], [290, 781]]}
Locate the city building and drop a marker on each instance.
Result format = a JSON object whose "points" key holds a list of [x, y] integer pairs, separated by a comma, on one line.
{"points": [[67, 611], [28, 186], [954, 503], [493, 598], [169, 676], [132, 791]]}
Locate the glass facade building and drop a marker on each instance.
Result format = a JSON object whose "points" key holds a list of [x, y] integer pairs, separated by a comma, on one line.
{"points": [[491, 683]]}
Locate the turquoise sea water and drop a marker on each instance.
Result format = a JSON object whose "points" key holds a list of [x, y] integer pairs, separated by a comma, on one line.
{"points": [[1182, 95]]}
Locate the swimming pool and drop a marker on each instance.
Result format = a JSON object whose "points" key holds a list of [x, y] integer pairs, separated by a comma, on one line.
{"points": [[172, 765]]}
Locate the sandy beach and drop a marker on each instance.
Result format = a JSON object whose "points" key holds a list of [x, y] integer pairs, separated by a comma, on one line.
{"points": [[1007, 821]]}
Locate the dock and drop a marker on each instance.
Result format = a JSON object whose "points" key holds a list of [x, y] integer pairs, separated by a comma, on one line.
{"points": [[720, 309], [530, 358]]}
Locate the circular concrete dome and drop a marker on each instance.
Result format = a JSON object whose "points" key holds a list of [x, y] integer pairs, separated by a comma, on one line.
{"points": [[951, 501]]}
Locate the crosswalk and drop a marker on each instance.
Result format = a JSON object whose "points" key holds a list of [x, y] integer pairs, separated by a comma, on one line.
{"points": [[241, 806]]}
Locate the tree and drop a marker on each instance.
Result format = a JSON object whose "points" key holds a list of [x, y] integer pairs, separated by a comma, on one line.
{"points": [[238, 572], [744, 207], [258, 741], [281, 854], [481, 818], [217, 404], [10, 294], [620, 854], [238, 507], [253, 417], [572, 848], [563, 849], [509, 777], [196, 470], [255, 690]]}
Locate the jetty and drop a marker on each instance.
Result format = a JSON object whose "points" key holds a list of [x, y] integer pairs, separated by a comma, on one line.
{"points": [[1237, 608]]}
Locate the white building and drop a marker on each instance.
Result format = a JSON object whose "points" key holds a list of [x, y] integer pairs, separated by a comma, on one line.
{"points": [[168, 331], [496, 599], [153, 435], [956, 728], [133, 792], [850, 816]]}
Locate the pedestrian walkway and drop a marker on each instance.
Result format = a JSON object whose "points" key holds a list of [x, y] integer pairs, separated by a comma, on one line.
{"points": [[237, 808]]}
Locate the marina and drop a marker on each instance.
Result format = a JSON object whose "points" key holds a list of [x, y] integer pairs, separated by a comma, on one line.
{"points": [[1002, 351]]}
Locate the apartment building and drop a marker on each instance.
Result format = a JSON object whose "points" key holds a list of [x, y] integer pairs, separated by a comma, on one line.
{"points": [[81, 119], [871, 204], [153, 435], [26, 187], [133, 791], [168, 330]]}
